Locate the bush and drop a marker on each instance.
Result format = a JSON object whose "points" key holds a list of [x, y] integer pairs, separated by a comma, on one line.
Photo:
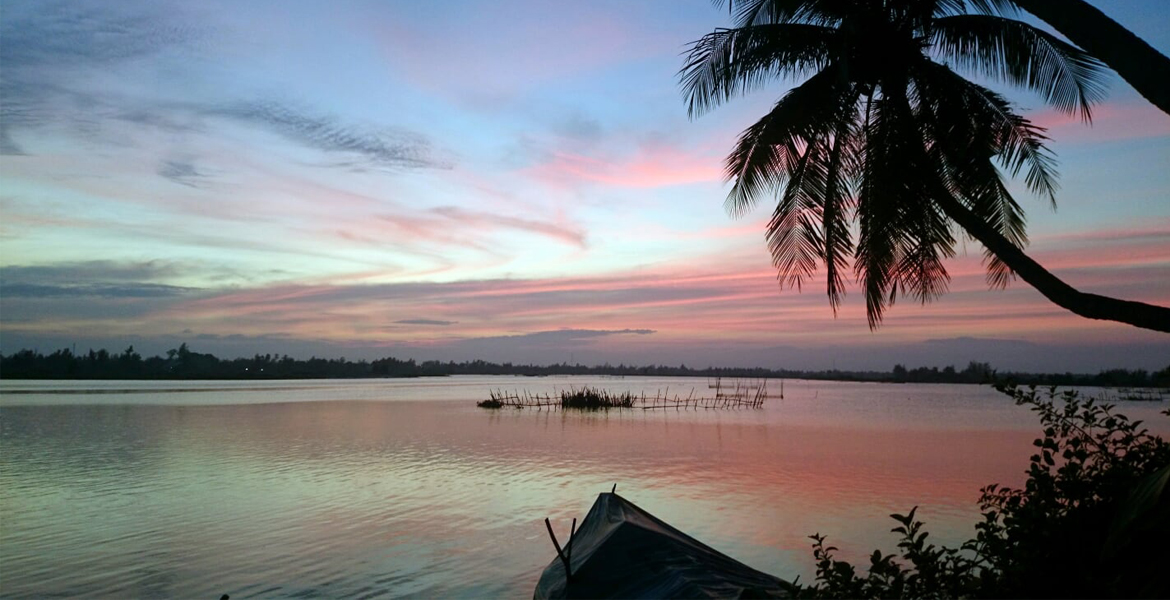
{"points": [[1092, 520], [588, 398]]}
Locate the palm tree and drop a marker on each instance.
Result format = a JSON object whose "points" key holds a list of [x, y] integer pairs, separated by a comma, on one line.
{"points": [[1143, 67], [885, 133]]}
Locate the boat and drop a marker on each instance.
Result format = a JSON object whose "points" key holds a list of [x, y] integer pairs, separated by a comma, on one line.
{"points": [[622, 551]]}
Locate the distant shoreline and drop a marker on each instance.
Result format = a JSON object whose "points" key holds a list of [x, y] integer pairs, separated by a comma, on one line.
{"points": [[182, 364]]}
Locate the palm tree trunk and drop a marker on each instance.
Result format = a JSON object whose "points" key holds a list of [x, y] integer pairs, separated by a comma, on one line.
{"points": [[1093, 306], [1138, 63]]}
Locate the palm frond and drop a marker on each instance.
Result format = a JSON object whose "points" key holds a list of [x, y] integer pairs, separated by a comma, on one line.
{"points": [[926, 231], [728, 62], [766, 153], [973, 119], [992, 7], [757, 168], [920, 270], [835, 214], [880, 240], [946, 8], [811, 222], [991, 200], [794, 236], [969, 127], [1012, 51], [904, 235], [761, 12], [999, 274], [980, 187]]}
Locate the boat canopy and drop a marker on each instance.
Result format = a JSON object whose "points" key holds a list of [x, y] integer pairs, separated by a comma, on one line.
{"points": [[622, 551]]}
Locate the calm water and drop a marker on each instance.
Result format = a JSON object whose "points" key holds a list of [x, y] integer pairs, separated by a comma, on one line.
{"points": [[404, 487]]}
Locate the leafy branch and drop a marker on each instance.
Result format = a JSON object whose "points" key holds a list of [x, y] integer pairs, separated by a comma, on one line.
{"points": [[1091, 520]]}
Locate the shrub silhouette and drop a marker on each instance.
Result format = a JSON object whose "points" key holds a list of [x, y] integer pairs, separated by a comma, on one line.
{"points": [[1092, 520]]}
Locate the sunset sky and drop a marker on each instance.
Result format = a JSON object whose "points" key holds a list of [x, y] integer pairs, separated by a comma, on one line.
{"points": [[512, 181]]}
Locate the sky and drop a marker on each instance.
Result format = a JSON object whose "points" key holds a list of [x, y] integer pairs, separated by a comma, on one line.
{"points": [[512, 181]]}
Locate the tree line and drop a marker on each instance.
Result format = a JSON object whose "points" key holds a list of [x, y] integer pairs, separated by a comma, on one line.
{"points": [[981, 372], [184, 363]]}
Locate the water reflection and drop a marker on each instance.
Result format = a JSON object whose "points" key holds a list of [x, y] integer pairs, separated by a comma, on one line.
{"points": [[439, 498]]}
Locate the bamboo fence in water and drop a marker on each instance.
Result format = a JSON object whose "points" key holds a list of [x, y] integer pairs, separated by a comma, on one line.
{"points": [[736, 394]]}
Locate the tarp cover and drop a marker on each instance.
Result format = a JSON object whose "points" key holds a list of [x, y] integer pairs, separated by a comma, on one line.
{"points": [[622, 551]]}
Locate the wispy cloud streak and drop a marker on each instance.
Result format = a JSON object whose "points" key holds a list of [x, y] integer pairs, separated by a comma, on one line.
{"points": [[381, 146]]}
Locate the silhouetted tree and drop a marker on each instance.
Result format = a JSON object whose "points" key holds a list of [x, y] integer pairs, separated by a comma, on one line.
{"points": [[883, 134]]}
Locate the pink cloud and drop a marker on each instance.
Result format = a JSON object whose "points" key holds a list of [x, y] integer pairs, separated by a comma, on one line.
{"points": [[695, 303], [741, 305], [652, 166], [1154, 228], [481, 220], [433, 234], [1112, 121]]}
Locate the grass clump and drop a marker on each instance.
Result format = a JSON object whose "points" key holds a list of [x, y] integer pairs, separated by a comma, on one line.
{"points": [[588, 398]]}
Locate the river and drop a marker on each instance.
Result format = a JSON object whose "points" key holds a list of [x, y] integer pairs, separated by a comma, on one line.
{"points": [[366, 488]]}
